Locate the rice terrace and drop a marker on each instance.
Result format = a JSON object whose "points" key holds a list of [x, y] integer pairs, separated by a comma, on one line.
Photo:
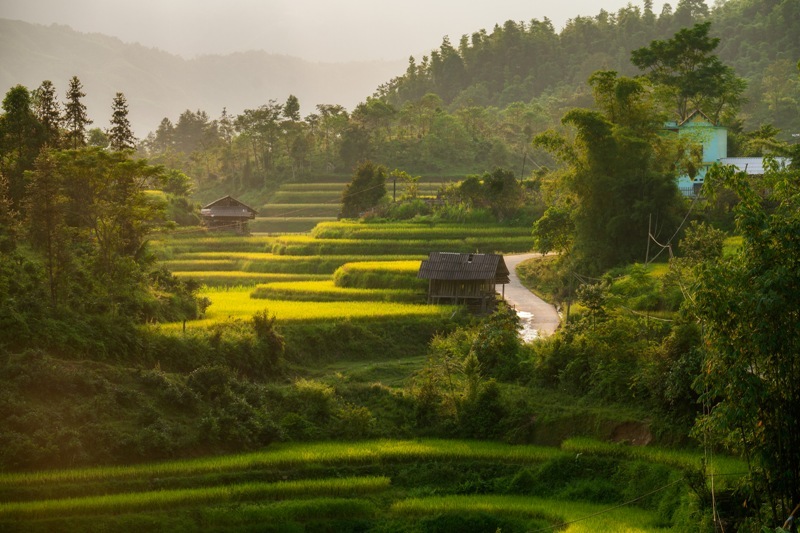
{"points": [[544, 277], [354, 318]]}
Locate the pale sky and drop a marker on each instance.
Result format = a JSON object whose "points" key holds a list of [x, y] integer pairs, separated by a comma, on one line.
{"points": [[316, 30]]}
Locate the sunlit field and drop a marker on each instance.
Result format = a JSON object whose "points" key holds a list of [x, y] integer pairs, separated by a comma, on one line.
{"points": [[408, 230], [277, 225], [164, 499], [305, 245], [236, 303], [322, 291], [400, 267]]}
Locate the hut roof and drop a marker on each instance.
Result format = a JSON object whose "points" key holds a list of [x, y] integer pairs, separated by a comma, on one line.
{"points": [[227, 206], [456, 266]]}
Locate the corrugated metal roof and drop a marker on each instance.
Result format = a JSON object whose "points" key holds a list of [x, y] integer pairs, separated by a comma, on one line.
{"points": [[457, 266], [752, 165]]}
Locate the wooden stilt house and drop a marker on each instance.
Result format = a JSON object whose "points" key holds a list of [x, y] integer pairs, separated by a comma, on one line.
{"points": [[469, 279], [228, 213]]}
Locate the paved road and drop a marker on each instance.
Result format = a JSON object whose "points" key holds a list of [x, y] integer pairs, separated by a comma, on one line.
{"points": [[538, 317]]}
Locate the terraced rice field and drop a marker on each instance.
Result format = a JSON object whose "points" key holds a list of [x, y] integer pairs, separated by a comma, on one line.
{"points": [[237, 303], [355, 485], [317, 276]]}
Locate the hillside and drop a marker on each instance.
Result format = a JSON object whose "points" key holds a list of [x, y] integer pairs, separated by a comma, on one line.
{"points": [[158, 84], [531, 62]]}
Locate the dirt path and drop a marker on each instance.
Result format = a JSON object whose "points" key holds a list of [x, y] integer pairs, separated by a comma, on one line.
{"points": [[538, 317]]}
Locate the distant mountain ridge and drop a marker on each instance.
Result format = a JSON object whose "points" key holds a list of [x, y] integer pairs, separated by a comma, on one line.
{"points": [[158, 84]]}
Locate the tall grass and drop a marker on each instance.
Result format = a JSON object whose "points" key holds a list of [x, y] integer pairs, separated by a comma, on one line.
{"points": [[166, 499]]}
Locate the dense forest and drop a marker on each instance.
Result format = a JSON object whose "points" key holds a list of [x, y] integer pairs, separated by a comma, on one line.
{"points": [[470, 107]]}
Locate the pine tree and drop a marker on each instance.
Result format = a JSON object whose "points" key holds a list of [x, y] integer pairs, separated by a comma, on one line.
{"points": [[120, 135], [20, 140], [75, 118], [48, 112]]}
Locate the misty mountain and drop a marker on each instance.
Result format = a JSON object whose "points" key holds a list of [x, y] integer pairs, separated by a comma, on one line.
{"points": [[158, 84]]}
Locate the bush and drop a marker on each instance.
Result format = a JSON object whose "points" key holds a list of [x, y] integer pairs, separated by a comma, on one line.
{"points": [[408, 209]]}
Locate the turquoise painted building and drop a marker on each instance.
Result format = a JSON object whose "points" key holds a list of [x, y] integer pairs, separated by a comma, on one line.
{"points": [[703, 134]]}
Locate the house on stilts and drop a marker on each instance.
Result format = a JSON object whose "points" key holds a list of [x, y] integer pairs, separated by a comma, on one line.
{"points": [[228, 213], [468, 279]]}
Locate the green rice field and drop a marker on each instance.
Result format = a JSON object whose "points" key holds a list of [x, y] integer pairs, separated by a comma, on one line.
{"points": [[280, 225], [236, 303], [369, 486], [318, 209], [316, 276], [322, 291]]}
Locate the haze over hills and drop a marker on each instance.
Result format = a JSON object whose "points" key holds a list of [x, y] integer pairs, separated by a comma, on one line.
{"points": [[158, 84]]}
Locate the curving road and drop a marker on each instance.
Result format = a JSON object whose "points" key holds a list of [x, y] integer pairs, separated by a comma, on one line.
{"points": [[538, 317]]}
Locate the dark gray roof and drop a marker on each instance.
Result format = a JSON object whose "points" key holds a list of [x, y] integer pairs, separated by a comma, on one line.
{"points": [[457, 266], [227, 206]]}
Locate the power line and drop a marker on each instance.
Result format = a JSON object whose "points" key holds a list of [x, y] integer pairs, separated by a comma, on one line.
{"points": [[669, 242]]}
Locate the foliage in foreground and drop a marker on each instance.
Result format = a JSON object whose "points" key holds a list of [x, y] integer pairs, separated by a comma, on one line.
{"points": [[749, 306]]}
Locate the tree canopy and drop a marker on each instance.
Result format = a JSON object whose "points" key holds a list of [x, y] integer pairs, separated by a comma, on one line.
{"points": [[365, 190], [619, 174], [692, 77]]}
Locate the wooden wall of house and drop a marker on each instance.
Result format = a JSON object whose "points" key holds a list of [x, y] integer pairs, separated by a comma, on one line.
{"points": [[460, 288]]}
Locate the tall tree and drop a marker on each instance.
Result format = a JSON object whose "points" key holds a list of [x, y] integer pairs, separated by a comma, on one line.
{"points": [[46, 221], [108, 204], [8, 220], [619, 173], [691, 76], [365, 190], [120, 135], [75, 118], [291, 109], [20, 140], [48, 112], [333, 120]]}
